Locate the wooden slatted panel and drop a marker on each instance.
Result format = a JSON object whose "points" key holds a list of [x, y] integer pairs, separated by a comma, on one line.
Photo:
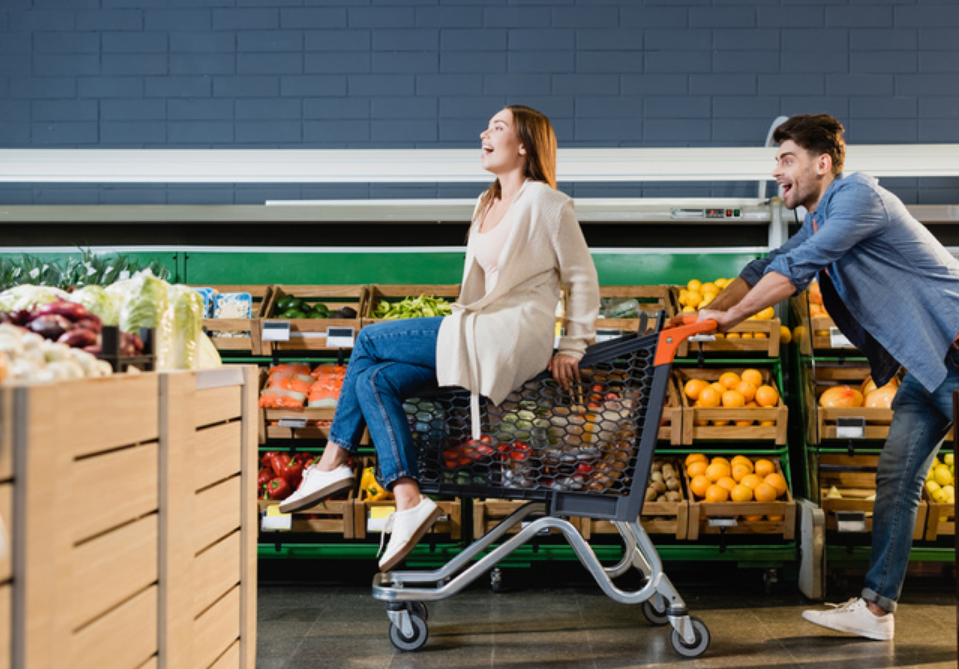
{"points": [[112, 567], [217, 453], [217, 405], [219, 513], [230, 659], [112, 489], [216, 630], [125, 638], [108, 412], [215, 571], [6, 621], [6, 512], [6, 435]]}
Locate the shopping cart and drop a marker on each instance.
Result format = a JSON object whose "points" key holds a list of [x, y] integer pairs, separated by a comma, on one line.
{"points": [[582, 452]]}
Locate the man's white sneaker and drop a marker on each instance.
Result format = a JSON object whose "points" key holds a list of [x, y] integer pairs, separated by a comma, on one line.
{"points": [[406, 528], [317, 486], [854, 617]]}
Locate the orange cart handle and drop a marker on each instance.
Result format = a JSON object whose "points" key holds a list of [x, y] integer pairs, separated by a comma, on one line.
{"points": [[671, 337]]}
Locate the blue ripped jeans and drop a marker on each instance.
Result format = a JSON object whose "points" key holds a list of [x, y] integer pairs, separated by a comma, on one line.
{"points": [[391, 361], [920, 422]]}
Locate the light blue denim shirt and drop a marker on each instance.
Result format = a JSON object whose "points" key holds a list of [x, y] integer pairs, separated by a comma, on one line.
{"points": [[897, 281]]}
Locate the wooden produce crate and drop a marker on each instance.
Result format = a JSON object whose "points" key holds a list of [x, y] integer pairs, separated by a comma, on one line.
{"points": [[309, 334], [156, 474], [767, 423], [671, 424], [777, 517], [762, 337], [394, 293], [333, 516], [823, 422], [651, 299], [818, 333], [656, 517], [239, 335], [449, 524], [8, 530], [488, 513], [855, 479], [940, 518]]}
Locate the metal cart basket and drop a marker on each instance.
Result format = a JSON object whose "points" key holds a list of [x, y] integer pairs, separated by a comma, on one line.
{"points": [[581, 452]]}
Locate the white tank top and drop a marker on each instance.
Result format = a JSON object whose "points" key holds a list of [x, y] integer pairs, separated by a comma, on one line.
{"points": [[488, 246]]}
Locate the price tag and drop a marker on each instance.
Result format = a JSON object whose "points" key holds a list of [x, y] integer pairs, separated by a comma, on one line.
{"points": [[292, 422], [340, 337], [702, 337], [838, 340], [274, 521], [276, 330], [722, 522], [850, 427], [607, 335], [376, 520], [851, 521]]}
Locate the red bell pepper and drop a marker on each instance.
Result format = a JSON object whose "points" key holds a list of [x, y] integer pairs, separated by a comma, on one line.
{"points": [[287, 468], [278, 488]]}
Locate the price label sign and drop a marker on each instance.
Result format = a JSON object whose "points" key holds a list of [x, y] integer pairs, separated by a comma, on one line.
{"points": [[292, 422], [850, 427], [702, 337], [276, 330], [851, 521], [274, 521], [340, 337], [838, 340], [606, 335], [722, 522]]}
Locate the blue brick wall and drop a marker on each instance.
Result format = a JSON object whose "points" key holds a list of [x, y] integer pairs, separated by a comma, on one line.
{"points": [[429, 73]]}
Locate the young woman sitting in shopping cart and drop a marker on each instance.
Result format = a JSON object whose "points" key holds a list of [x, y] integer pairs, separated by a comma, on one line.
{"points": [[523, 242]]}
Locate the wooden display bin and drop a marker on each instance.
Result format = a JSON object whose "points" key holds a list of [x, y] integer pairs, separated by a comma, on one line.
{"points": [[8, 530], [449, 524], [777, 517], [239, 335], [309, 334], [818, 333], [651, 299], [379, 292], [824, 421], [940, 518], [766, 423], [855, 479], [656, 517], [488, 513], [671, 424], [137, 528], [762, 337], [333, 516]]}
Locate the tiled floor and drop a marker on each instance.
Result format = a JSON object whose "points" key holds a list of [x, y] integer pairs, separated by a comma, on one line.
{"points": [[320, 615]]}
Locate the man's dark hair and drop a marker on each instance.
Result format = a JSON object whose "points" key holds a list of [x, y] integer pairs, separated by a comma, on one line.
{"points": [[818, 134]]}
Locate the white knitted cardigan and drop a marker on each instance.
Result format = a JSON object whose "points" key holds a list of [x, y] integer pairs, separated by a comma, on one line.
{"points": [[493, 343]]}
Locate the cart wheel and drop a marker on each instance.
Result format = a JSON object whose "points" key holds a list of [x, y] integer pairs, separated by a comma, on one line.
{"points": [[418, 609], [654, 614], [699, 645], [415, 640]]}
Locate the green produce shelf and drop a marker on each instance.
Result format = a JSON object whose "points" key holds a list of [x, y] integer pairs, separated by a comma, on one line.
{"points": [[838, 555]]}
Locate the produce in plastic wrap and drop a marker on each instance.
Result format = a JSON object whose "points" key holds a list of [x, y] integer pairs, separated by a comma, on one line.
{"points": [[233, 305], [209, 300], [144, 301], [180, 329], [98, 301]]}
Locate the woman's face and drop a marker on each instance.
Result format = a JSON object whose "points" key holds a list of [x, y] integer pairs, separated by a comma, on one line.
{"points": [[502, 150]]}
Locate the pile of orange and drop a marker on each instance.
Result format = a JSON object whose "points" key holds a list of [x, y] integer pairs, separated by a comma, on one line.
{"points": [[737, 479], [732, 390]]}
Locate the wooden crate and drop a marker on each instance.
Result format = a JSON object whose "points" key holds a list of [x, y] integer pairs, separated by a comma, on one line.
{"points": [[9, 530], [671, 424], [768, 423], [239, 335], [777, 517], [449, 524], [765, 345], [309, 334], [488, 513], [818, 333], [940, 518], [823, 421], [334, 516], [656, 517], [156, 474], [394, 293], [855, 478], [652, 300]]}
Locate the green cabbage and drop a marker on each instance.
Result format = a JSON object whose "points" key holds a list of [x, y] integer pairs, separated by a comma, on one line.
{"points": [[144, 301], [27, 296], [187, 326], [99, 302]]}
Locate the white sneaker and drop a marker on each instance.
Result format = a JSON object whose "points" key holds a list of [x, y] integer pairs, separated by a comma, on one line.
{"points": [[854, 617], [406, 528], [317, 486]]}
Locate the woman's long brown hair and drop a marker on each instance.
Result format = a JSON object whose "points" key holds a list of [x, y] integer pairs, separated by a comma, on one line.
{"points": [[536, 134]]}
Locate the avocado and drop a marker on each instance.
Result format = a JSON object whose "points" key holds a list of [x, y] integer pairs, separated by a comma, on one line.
{"points": [[290, 314], [345, 313], [285, 302], [318, 314], [321, 308]]}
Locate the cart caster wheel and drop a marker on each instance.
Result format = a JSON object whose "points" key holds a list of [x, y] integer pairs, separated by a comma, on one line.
{"points": [[415, 640], [496, 580], [654, 614], [699, 644], [418, 609]]}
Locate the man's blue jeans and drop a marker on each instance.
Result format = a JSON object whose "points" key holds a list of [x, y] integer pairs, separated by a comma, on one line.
{"points": [[391, 361], [920, 422]]}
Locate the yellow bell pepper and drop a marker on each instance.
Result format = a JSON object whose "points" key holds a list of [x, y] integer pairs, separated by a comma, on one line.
{"points": [[371, 488]]}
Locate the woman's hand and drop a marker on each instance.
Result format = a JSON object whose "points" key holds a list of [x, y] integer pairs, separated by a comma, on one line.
{"points": [[565, 368]]}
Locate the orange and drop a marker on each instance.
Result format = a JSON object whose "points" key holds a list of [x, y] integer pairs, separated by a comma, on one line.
{"points": [[744, 423], [693, 457], [727, 482], [767, 396], [696, 468], [753, 518], [764, 467], [733, 399], [699, 485], [752, 480], [720, 423], [747, 389], [716, 493], [740, 471], [693, 387], [752, 405], [716, 471], [729, 379], [720, 388], [710, 397], [719, 458], [741, 460], [753, 376], [778, 482], [774, 517], [741, 493], [765, 492]]}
